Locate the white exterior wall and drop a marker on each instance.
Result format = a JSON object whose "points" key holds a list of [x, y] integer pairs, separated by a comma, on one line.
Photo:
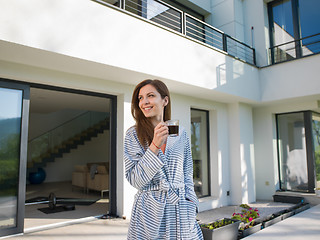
{"points": [[256, 29], [267, 180], [80, 44], [246, 21], [294, 79], [68, 28], [219, 142], [227, 15], [242, 166]]}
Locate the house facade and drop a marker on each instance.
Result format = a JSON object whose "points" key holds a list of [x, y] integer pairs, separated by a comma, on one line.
{"points": [[243, 77]]}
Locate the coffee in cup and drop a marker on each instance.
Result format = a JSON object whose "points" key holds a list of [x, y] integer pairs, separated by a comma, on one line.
{"points": [[173, 126]]}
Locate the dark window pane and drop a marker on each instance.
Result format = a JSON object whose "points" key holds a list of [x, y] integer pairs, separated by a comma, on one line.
{"points": [[282, 20], [200, 151], [309, 21]]}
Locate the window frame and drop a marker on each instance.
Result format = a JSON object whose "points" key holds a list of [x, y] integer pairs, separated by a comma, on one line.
{"points": [[307, 118], [208, 147]]}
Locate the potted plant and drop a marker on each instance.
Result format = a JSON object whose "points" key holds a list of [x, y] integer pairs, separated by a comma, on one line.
{"points": [[250, 228], [248, 217], [226, 229]]}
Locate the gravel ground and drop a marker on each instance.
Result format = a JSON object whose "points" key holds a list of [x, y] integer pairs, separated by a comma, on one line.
{"points": [[264, 209]]}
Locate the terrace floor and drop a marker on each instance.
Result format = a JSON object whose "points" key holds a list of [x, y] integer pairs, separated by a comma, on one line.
{"points": [[304, 224]]}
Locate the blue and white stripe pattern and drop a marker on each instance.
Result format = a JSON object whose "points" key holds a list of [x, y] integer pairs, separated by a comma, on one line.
{"points": [[165, 204]]}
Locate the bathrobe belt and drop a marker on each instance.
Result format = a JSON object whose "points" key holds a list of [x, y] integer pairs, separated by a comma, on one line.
{"points": [[170, 188]]}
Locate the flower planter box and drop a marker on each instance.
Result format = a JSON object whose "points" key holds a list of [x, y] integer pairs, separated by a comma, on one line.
{"points": [[227, 232], [287, 214], [292, 208], [271, 221], [249, 231], [301, 208]]}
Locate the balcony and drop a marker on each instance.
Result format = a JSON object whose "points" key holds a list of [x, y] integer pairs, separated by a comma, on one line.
{"points": [[295, 49], [188, 26]]}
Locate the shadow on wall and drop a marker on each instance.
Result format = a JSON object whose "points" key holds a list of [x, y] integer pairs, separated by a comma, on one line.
{"points": [[238, 78]]}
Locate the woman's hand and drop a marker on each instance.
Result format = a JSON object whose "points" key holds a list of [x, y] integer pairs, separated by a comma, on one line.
{"points": [[161, 133]]}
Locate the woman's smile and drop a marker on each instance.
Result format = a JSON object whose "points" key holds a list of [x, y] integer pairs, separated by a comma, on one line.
{"points": [[151, 103]]}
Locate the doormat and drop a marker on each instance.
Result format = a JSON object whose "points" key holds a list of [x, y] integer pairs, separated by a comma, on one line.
{"points": [[57, 209]]}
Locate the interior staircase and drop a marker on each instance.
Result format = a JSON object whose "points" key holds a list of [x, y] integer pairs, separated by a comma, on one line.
{"points": [[66, 146]]}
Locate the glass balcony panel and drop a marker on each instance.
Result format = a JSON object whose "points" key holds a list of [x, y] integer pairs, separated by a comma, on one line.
{"points": [[51, 141]]}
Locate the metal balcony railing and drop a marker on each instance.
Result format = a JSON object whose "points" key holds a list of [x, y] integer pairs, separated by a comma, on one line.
{"points": [[189, 26], [55, 137], [295, 49]]}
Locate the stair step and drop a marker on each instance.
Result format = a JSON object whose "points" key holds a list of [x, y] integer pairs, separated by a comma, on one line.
{"points": [[66, 146]]}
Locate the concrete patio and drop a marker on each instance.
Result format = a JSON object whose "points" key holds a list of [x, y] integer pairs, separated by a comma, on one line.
{"points": [[305, 224]]}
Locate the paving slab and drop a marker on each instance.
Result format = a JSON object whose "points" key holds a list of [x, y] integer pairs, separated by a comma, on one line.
{"points": [[305, 225], [98, 229]]}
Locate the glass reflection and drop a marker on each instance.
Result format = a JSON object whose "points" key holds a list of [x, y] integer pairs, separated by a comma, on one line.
{"points": [[10, 122], [200, 151], [292, 152], [316, 145]]}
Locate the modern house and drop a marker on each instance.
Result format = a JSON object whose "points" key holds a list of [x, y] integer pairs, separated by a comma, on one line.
{"points": [[244, 77]]}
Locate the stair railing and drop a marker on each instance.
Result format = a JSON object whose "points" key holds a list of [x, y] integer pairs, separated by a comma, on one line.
{"points": [[48, 141]]}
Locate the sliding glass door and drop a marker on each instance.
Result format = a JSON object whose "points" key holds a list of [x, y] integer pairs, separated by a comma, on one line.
{"points": [[298, 150], [292, 152], [316, 145], [14, 107]]}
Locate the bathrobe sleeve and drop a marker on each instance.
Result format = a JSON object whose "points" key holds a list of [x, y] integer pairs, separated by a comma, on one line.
{"points": [[140, 165], [188, 172]]}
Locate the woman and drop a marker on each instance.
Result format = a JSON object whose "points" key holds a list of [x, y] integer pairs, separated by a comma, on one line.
{"points": [[160, 167]]}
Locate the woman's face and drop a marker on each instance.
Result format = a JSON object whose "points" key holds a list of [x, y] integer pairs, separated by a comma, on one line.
{"points": [[151, 103]]}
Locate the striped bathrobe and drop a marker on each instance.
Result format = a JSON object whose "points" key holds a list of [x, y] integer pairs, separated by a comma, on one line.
{"points": [[165, 204]]}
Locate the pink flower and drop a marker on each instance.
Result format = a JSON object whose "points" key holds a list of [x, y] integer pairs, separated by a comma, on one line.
{"points": [[250, 219]]}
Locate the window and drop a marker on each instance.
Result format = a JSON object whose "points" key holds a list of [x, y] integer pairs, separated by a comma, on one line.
{"points": [[200, 151], [294, 29], [316, 145], [298, 144], [14, 113]]}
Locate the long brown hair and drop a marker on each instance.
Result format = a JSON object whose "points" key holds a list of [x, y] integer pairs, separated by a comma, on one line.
{"points": [[143, 125]]}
